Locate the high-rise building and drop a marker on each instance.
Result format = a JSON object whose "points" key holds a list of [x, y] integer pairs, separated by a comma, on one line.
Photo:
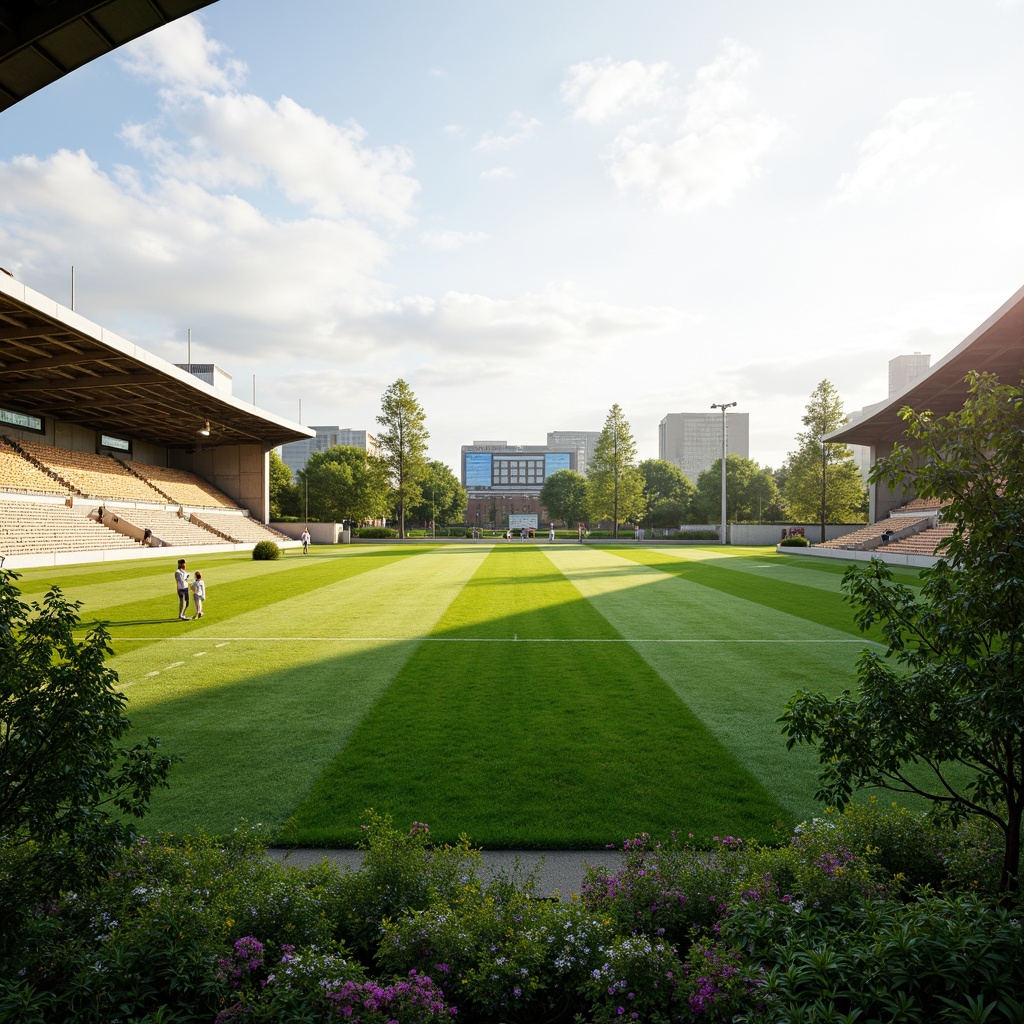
{"points": [[904, 370], [693, 440], [296, 455], [583, 442]]}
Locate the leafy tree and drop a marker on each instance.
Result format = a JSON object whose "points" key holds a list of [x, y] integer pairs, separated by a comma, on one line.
{"points": [[667, 514], [941, 712], [444, 497], [285, 499], [68, 785], [750, 493], [403, 446], [565, 496], [823, 482], [345, 482], [615, 484], [665, 482]]}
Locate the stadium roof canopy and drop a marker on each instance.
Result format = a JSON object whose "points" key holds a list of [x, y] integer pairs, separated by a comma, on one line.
{"points": [[56, 363], [43, 40], [997, 346]]}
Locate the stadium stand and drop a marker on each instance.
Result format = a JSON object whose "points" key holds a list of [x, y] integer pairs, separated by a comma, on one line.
{"points": [[924, 543], [181, 487], [170, 529], [238, 528], [19, 475], [93, 476], [31, 528], [870, 536]]}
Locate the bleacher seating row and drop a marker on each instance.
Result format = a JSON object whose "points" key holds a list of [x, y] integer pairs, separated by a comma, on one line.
{"points": [[920, 516], [28, 527], [36, 528]]}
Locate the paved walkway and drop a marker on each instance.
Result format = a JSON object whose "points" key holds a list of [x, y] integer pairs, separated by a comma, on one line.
{"points": [[558, 871]]}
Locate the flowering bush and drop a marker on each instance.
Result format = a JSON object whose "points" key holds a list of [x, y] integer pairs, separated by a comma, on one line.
{"points": [[638, 980], [401, 872], [667, 890], [192, 930], [319, 985], [503, 954]]}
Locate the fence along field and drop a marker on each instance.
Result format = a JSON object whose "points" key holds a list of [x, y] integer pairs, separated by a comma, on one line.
{"points": [[527, 695]]}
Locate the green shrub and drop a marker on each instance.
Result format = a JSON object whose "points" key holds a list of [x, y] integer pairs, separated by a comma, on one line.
{"points": [[377, 533], [401, 872], [794, 542], [933, 959], [265, 551]]}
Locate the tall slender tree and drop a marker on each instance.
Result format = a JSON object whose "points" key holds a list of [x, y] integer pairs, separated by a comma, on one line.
{"points": [[403, 446], [823, 482], [615, 483]]}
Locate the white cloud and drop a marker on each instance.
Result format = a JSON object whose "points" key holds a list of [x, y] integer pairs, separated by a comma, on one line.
{"points": [[448, 241], [240, 139], [558, 315], [602, 89], [700, 148], [910, 147], [494, 173], [520, 129], [182, 59]]}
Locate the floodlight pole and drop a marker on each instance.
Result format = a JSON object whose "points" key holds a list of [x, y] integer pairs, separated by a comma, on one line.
{"points": [[723, 406]]}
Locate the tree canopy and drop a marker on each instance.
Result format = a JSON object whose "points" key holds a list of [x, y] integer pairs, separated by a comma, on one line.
{"points": [[403, 446], [941, 712], [344, 482], [823, 483], [665, 482], [285, 499], [444, 498], [751, 494], [565, 496], [616, 486]]}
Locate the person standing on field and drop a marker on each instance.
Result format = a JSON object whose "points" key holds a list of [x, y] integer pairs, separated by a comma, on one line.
{"points": [[199, 593], [181, 583], [305, 541]]}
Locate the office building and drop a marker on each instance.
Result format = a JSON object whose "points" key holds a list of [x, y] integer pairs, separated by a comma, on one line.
{"points": [[504, 480], [905, 370], [693, 440], [296, 455], [583, 442]]}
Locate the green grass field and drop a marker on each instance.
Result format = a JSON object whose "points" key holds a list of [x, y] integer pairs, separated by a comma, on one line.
{"points": [[531, 696]]}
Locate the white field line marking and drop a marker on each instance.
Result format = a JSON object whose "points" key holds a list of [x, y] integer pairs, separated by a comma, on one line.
{"points": [[200, 654], [498, 640], [173, 665]]}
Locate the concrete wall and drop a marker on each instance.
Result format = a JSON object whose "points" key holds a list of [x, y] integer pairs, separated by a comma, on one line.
{"points": [[241, 471], [319, 533]]}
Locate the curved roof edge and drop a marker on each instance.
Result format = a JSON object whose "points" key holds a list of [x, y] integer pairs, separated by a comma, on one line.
{"points": [[54, 362], [997, 346], [43, 40]]}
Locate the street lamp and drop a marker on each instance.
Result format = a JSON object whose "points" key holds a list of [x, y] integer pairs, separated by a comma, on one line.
{"points": [[723, 406]]}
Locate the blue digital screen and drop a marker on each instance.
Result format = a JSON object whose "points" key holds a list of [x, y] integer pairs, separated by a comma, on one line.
{"points": [[478, 469], [554, 461]]}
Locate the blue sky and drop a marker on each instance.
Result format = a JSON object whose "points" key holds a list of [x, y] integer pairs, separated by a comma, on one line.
{"points": [[532, 211]]}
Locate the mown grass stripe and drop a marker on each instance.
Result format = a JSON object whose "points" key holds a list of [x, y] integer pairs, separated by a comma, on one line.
{"points": [[738, 690], [532, 746], [256, 722]]}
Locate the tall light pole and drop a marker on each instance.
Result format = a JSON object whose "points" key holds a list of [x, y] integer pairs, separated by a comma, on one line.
{"points": [[723, 406]]}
